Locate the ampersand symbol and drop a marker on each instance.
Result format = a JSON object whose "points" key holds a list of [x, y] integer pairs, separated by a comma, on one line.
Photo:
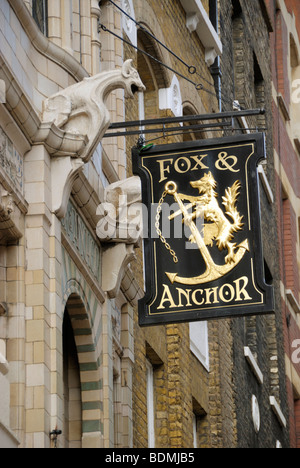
{"points": [[223, 165]]}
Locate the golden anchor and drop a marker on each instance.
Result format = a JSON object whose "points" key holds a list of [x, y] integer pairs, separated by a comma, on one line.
{"points": [[207, 206]]}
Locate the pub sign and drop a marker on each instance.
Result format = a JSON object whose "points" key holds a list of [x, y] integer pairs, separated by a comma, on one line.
{"points": [[202, 247]]}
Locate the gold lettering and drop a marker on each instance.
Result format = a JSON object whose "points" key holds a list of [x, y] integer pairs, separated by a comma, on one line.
{"points": [[167, 297], [227, 293], [194, 297], [242, 291], [230, 293], [185, 164], [163, 169], [198, 159], [209, 292], [223, 165], [182, 165], [186, 293]]}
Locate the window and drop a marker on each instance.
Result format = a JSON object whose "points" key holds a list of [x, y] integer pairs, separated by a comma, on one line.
{"points": [[199, 342], [150, 405], [295, 91], [195, 435], [200, 425], [40, 14]]}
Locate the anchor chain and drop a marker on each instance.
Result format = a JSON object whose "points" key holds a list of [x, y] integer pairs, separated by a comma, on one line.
{"points": [[158, 230]]}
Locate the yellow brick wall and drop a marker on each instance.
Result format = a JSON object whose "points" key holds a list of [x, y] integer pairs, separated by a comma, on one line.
{"points": [[182, 387]]}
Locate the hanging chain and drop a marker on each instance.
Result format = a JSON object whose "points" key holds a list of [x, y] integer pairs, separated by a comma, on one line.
{"points": [[158, 230]]}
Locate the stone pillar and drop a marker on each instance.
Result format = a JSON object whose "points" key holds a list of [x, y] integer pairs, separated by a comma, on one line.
{"points": [[37, 298], [57, 316], [127, 341], [112, 56], [96, 44], [55, 22], [108, 402]]}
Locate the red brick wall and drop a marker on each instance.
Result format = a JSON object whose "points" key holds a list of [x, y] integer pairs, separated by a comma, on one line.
{"points": [[293, 9], [290, 227], [297, 423], [286, 216], [282, 53]]}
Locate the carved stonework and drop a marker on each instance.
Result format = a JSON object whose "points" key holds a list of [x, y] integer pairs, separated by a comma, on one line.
{"points": [[82, 240], [74, 122], [8, 229], [78, 115], [121, 213], [128, 26], [120, 226], [11, 161]]}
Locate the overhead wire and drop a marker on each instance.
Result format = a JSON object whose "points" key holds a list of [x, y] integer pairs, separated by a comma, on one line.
{"points": [[217, 93], [191, 69], [198, 86]]}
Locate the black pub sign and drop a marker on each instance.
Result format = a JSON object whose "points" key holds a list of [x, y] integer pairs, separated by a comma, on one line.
{"points": [[203, 254]]}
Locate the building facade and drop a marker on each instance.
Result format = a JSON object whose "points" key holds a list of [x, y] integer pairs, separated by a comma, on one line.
{"points": [[285, 100], [76, 369], [65, 369]]}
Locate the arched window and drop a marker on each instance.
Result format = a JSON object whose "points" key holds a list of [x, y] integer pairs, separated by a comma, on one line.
{"points": [[82, 403], [72, 388], [295, 91], [154, 77], [152, 74], [196, 134]]}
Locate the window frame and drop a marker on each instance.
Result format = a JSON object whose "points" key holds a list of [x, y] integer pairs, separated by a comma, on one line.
{"points": [[41, 6], [150, 404], [199, 353]]}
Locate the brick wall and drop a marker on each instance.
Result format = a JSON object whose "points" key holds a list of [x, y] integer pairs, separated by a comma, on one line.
{"points": [[246, 69], [220, 399], [287, 193], [290, 236], [183, 388]]}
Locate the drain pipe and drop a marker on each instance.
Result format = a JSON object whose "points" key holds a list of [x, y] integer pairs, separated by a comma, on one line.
{"points": [[215, 69]]}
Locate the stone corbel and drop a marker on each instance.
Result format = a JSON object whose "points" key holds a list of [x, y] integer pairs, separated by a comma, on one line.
{"points": [[120, 228], [59, 143], [114, 262], [197, 20], [121, 214], [64, 172]]}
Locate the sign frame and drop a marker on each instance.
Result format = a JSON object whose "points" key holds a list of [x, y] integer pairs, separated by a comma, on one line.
{"points": [[159, 185]]}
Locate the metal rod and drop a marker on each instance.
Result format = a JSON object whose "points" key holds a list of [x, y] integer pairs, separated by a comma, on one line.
{"points": [[169, 130], [187, 118], [182, 132]]}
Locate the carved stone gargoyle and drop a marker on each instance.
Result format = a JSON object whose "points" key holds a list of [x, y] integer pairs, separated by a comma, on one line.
{"points": [[74, 122]]}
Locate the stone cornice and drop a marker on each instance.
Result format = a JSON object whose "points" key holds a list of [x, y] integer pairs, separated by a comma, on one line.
{"points": [[43, 45], [18, 105]]}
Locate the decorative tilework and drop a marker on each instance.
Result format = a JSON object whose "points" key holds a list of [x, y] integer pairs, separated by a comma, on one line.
{"points": [[82, 240], [11, 161], [86, 318]]}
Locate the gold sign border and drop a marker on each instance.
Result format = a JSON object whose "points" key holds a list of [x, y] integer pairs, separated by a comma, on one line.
{"points": [[249, 223]]}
